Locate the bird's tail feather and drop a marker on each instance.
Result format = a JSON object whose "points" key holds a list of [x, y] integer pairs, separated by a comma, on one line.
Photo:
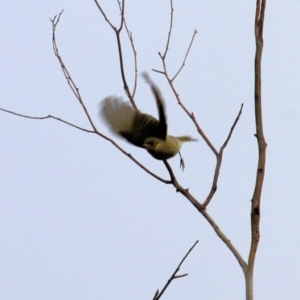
{"points": [[186, 138]]}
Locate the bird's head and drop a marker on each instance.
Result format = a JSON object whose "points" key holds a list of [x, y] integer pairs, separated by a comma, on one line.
{"points": [[151, 143]]}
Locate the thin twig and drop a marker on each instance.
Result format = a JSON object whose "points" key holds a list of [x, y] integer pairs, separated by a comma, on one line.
{"points": [[129, 34], [158, 71], [122, 15], [118, 32], [191, 115], [174, 276], [67, 75], [219, 161], [186, 55], [104, 16], [48, 117], [170, 31]]}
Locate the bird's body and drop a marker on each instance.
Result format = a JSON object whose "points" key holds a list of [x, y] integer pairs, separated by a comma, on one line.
{"points": [[140, 129], [165, 149]]}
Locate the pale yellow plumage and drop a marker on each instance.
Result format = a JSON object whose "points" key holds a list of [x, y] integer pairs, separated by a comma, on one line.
{"points": [[141, 129]]}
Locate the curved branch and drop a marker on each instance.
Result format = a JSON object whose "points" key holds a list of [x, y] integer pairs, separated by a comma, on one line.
{"points": [[67, 75], [219, 161]]}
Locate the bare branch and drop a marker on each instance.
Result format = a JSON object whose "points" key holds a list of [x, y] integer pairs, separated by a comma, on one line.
{"points": [[155, 295], [186, 55], [174, 276], [118, 32], [219, 161], [223, 237], [214, 225], [255, 209], [262, 145], [48, 117], [169, 33], [67, 75], [170, 81], [129, 33], [90, 131], [191, 115], [157, 71], [202, 210], [104, 16], [122, 14], [133, 159], [180, 276]]}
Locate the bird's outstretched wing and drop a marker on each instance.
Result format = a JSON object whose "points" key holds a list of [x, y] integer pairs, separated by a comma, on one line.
{"points": [[159, 103], [131, 124]]}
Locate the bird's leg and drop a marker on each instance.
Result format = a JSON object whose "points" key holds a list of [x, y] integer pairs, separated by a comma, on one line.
{"points": [[182, 165]]}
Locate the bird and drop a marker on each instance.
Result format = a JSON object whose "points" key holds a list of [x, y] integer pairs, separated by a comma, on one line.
{"points": [[141, 129]]}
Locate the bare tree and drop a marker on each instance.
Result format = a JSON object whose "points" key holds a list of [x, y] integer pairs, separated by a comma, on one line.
{"points": [[201, 206]]}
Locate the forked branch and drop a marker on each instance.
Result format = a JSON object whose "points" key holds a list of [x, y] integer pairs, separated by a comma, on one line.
{"points": [[186, 55], [174, 276], [219, 161], [118, 33], [186, 193], [129, 34], [218, 154]]}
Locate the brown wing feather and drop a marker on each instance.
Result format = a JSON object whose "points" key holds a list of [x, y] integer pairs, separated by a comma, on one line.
{"points": [[131, 124]]}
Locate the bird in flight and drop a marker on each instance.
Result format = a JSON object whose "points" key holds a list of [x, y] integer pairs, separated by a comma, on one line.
{"points": [[143, 130]]}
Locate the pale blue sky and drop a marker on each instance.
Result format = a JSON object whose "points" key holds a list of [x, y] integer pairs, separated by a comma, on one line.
{"points": [[79, 220]]}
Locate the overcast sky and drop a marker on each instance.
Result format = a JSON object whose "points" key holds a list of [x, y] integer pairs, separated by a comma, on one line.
{"points": [[79, 220]]}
